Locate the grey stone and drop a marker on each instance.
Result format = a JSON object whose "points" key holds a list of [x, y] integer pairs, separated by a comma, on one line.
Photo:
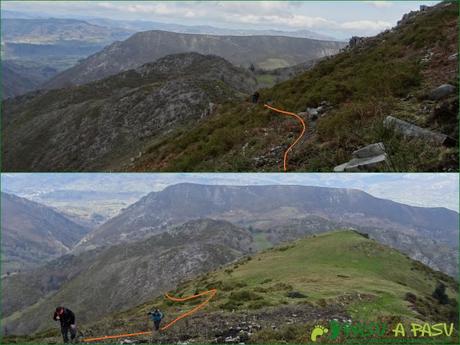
{"points": [[441, 92], [453, 57], [412, 131], [369, 151], [340, 168], [366, 164], [312, 114], [356, 41]]}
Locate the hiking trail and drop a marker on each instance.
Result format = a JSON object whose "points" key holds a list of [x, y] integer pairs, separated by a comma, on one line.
{"points": [[298, 118], [211, 294]]}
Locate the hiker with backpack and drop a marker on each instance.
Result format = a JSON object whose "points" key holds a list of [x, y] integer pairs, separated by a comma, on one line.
{"points": [[156, 317], [67, 319]]}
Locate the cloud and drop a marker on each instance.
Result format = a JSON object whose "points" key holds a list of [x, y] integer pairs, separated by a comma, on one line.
{"points": [[380, 4], [345, 19], [366, 25]]}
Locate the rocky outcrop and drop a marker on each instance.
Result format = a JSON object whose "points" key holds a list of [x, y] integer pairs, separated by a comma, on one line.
{"points": [[369, 158], [313, 114], [412, 131], [356, 41], [441, 92]]}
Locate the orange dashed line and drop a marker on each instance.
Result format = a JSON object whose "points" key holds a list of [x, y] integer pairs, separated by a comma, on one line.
{"points": [[304, 127], [211, 292]]}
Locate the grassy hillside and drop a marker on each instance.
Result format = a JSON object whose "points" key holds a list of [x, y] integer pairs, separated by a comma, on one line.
{"points": [[389, 74], [282, 292], [97, 283]]}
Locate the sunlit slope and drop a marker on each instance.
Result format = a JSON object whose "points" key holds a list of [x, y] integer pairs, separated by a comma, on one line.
{"points": [[340, 275]]}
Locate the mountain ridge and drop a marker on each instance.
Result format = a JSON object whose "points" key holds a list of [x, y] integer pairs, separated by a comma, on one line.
{"points": [[267, 207], [148, 46], [105, 121], [33, 233]]}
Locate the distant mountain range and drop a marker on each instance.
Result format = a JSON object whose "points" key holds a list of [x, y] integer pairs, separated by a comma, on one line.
{"points": [[37, 49], [139, 25], [59, 43], [267, 208], [267, 52], [55, 30], [144, 25], [33, 234]]}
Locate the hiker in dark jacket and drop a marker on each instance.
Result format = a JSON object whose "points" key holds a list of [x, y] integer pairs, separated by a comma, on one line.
{"points": [[255, 97], [67, 319], [156, 317]]}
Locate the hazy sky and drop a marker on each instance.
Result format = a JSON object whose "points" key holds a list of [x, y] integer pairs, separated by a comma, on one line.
{"points": [[435, 190], [338, 18]]}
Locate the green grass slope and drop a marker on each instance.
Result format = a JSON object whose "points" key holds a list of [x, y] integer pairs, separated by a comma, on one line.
{"points": [[389, 74], [341, 275]]}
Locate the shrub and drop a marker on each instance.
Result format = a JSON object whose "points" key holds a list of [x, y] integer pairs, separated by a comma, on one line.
{"points": [[295, 294], [440, 295]]}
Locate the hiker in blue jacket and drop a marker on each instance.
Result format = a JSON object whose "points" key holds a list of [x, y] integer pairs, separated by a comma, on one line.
{"points": [[156, 317]]}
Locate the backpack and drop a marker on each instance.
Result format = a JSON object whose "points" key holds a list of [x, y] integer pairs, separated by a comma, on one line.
{"points": [[157, 316]]}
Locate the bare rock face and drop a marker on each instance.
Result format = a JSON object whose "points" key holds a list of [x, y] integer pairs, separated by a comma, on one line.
{"points": [[412, 131]]}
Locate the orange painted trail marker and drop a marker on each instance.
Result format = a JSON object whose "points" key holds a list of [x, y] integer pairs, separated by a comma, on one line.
{"points": [[301, 121], [211, 294]]}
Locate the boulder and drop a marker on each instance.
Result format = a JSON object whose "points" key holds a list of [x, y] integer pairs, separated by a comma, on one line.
{"points": [[312, 114], [363, 164], [441, 92], [409, 130], [371, 150], [453, 57], [368, 158]]}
